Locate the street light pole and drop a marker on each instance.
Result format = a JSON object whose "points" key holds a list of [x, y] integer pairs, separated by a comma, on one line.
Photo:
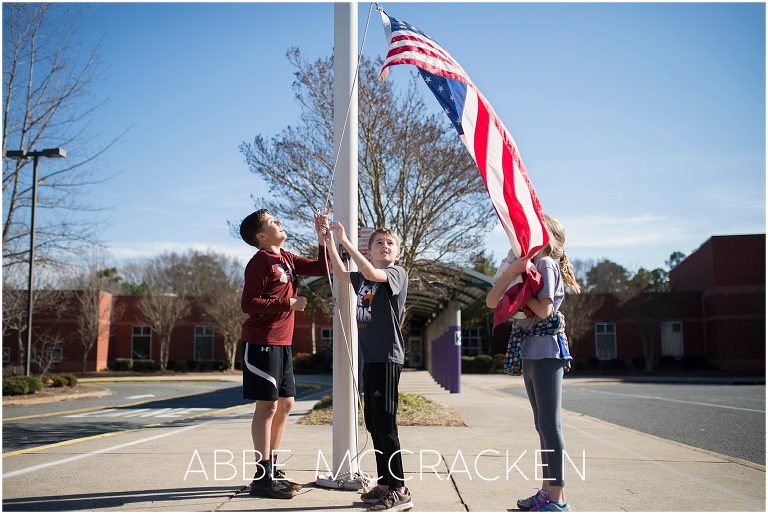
{"points": [[22, 154]]}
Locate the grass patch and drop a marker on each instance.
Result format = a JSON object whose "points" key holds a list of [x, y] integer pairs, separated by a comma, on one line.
{"points": [[412, 411]]}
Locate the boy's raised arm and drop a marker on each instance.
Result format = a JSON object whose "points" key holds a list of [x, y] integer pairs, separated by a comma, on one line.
{"points": [[339, 270], [363, 264]]}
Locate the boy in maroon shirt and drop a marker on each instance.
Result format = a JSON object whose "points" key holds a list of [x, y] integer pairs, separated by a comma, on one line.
{"points": [[270, 299]]}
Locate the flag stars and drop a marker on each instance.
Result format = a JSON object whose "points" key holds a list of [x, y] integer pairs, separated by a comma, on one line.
{"points": [[440, 88]]}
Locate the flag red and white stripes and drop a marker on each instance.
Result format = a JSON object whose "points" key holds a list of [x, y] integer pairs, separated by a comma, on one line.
{"points": [[481, 130]]}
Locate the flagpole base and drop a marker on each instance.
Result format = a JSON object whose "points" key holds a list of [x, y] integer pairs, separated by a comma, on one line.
{"points": [[347, 481]]}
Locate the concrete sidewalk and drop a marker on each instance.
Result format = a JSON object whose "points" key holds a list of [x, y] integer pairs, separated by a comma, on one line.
{"points": [[172, 467]]}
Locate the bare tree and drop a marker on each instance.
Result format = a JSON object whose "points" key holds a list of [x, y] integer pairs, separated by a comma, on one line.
{"points": [[415, 176], [15, 311], [48, 79], [97, 310], [607, 277], [648, 307], [192, 273], [224, 308], [578, 310], [214, 278], [46, 347], [163, 311]]}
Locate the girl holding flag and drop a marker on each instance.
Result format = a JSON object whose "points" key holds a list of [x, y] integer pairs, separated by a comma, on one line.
{"points": [[544, 352]]}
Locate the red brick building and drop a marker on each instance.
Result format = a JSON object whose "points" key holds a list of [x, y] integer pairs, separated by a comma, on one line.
{"points": [[56, 334], [194, 337], [728, 273], [714, 312]]}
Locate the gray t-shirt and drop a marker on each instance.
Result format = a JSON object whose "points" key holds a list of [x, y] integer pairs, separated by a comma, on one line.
{"points": [[543, 347], [380, 306]]}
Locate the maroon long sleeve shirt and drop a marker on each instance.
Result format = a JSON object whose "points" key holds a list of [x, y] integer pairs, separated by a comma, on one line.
{"points": [[270, 282]]}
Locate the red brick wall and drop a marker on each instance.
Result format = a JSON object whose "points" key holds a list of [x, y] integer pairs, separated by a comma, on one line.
{"points": [[739, 260], [695, 273], [65, 326], [302, 339]]}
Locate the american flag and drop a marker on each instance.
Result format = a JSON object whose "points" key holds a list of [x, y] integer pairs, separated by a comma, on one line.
{"points": [[481, 130]]}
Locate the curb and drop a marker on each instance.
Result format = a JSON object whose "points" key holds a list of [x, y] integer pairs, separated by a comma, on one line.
{"points": [[57, 398]]}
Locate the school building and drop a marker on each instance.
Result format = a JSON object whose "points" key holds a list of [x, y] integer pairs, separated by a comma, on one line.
{"points": [[714, 313], [713, 316]]}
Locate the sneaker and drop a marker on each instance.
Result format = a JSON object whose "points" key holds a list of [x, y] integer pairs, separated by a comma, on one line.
{"points": [[393, 501], [532, 501], [271, 489], [374, 495], [279, 476], [549, 506]]}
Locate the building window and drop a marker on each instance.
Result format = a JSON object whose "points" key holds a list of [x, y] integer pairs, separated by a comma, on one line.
{"points": [[55, 354], [141, 338], [605, 340], [24, 354], [472, 341], [6, 355], [672, 338], [326, 338], [204, 343]]}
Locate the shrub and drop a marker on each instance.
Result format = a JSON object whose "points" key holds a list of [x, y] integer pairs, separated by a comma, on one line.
{"points": [[59, 381], [694, 361], [639, 362], [170, 365], [219, 365], [192, 365], [203, 365], [238, 364], [579, 364], [35, 384], [484, 363], [308, 363], [618, 364], [478, 363], [666, 361], [13, 370], [593, 363], [13, 386], [181, 367], [144, 365], [122, 364], [71, 379]]}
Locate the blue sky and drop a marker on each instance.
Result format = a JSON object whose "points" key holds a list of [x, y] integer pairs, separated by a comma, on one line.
{"points": [[642, 126]]}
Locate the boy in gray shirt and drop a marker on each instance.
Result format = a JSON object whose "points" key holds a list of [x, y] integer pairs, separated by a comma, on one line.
{"points": [[381, 288]]}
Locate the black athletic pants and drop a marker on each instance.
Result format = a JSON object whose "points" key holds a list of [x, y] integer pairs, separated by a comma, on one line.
{"points": [[380, 381]]}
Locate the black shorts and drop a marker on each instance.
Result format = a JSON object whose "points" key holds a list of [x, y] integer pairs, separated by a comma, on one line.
{"points": [[267, 372]]}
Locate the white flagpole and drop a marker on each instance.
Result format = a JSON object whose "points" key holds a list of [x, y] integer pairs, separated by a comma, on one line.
{"points": [[345, 210]]}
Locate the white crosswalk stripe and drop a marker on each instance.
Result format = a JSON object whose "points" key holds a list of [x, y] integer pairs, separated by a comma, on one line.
{"points": [[140, 413]]}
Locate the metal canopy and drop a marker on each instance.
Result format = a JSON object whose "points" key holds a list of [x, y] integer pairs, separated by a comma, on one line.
{"points": [[468, 287]]}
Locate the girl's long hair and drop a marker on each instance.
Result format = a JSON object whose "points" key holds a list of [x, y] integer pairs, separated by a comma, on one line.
{"points": [[557, 251]]}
